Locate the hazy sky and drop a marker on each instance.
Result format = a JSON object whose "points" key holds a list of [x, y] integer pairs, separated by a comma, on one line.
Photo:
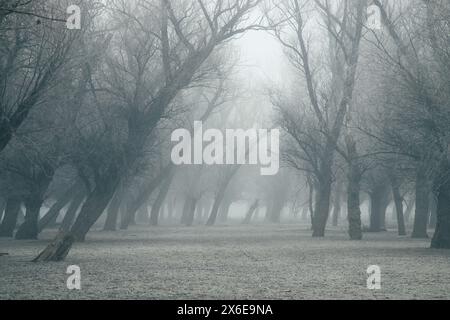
{"points": [[261, 56]]}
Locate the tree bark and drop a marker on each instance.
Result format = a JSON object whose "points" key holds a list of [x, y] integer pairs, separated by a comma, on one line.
{"points": [[398, 201], [9, 221], [2, 208], [93, 207], [70, 215], [215, 208], [422, 205], [113, 209], [378, 205], [29, 229], [156, 208], [322, 205], [353, 202], [337, 205], [224, 210], [190, 211], [441, 237], [53, 212], [250, 212], [433, 211]]}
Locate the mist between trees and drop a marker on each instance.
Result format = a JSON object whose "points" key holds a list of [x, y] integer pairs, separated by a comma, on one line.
{"points": [[86, 115]]}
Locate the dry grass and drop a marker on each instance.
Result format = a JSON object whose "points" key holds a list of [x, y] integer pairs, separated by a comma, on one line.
{"points": [[228, 262]]}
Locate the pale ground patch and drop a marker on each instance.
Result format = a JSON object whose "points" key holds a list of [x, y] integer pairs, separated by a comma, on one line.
{"points": [[228, 262]]}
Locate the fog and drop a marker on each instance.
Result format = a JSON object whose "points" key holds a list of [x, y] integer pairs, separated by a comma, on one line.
{"points": [[225, 133]]}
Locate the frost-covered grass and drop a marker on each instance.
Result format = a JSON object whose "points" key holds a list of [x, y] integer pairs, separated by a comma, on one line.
{"points": [[228, 262]]}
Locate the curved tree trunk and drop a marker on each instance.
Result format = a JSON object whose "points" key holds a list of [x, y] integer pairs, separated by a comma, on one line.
{"points": [[156, 208], [52, 214], [215, 208], [9, 221], [113, 209], [250, 212], [2, 208], [70, 215]]}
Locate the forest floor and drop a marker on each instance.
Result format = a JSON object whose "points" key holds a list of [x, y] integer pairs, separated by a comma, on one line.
{"points": [[228, 262]]}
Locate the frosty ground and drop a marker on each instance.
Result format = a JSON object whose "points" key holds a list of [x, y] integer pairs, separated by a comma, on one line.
{"points": [[228, 262]]}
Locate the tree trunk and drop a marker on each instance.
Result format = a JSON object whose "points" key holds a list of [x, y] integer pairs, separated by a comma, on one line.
{"points": [[52, 214], [129, 218], [353, 202], [224, 210], [398, 200], [9, 221], [433, 211], [2, 208], [337, 205], [215, 208], [409, 207], [322, 206], [93, 207], [441, 237], [275, 209], [190, 211], [29, 229], [422, 205], [156, 208], [311, 202], [70, 215], [250, 212], [113, 209], [378, 206]]}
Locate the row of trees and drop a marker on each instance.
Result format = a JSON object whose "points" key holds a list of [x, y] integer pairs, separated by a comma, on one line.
{"points": [[376, 113]]}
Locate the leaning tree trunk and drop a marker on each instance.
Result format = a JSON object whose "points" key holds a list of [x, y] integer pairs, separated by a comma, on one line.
{"points": [[215, 208], [70, 215], [9, 221], [113, 209], [220, 195], [2, 208], [53, 213], [93, 207], [422, 205], [29, 229], [441, 238], [250, 212], [398, 201], [156, 208]]}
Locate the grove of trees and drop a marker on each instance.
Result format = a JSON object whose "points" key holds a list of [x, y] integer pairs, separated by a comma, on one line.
{"points": [[86, 115]]}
